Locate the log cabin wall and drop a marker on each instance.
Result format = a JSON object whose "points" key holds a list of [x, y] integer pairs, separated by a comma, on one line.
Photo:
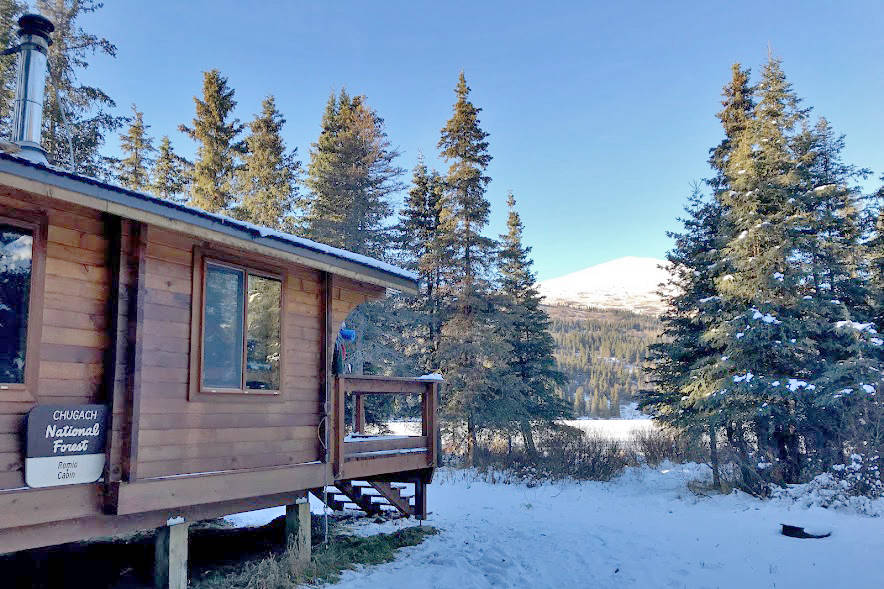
{"points": [[74, 319], [171, 434], [183, 431], [114, 324]]}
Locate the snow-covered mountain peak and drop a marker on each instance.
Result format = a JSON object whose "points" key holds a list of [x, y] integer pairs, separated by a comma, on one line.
{"points": [[629, 283]]}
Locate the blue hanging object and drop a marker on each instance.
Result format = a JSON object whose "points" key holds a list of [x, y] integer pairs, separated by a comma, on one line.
{"points": [[348, 335]]}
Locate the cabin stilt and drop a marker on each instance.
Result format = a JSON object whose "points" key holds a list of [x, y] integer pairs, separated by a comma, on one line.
{"points": [[420, 499], [297, 528], [170, 565]]}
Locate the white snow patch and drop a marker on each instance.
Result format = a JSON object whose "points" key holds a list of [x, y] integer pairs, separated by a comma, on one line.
{"points": [[869, 327], [745, 377], [643, 529], [765, 317], [795, 384], [433, 377]]}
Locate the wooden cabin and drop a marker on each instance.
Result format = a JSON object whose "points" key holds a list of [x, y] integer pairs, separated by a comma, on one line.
{"points": [[203, 344]]}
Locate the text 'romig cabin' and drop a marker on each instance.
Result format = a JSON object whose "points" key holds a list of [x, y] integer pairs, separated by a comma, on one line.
{"points": [[159, 364]]}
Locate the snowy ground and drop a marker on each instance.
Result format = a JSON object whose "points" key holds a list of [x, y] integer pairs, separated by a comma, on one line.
{"points": [[645, 529]]}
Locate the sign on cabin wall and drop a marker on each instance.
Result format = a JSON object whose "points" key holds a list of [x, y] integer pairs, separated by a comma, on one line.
{"points": [[65, 444]]}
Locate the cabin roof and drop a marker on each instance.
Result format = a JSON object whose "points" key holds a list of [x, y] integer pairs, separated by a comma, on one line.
{"points": [[142, 206]]}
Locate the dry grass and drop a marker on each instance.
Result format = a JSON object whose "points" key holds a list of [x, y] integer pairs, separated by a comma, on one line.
{"points": [[282, 570], [565, 452]]}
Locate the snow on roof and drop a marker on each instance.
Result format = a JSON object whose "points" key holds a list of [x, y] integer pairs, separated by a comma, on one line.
{"points": [[191, 214]]}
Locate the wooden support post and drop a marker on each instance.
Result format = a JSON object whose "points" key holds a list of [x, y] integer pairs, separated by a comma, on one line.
{"points": [[420, 499], [431, 424], [359, 410], [297, 529], [135, 351], [339, 425], [170, 565]]}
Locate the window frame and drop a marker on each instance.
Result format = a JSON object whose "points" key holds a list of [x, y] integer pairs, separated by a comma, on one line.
{"points": [[202, 258], [37, 224]]}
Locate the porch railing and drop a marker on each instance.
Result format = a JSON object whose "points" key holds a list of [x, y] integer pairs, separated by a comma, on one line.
{"points": [[361, 455]]}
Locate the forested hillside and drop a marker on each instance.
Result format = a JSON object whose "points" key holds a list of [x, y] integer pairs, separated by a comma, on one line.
{"points": [[601, 351]]}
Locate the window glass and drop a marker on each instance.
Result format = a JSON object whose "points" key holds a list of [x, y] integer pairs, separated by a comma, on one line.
{"points": [[263, 338], [16, 251], [223, 327]]}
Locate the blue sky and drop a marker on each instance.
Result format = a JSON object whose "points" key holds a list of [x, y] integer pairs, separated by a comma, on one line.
{"points": [[600, 114]]}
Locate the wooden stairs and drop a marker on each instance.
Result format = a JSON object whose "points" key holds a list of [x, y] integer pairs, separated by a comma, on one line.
{"points": [[372, 497]]}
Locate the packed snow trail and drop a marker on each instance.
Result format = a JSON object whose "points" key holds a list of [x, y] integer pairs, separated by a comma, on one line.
{"points": [[645, 529]]}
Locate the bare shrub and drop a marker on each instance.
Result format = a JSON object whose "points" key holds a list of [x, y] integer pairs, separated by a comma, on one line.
{"points": [[563, 452], [658, 445]]}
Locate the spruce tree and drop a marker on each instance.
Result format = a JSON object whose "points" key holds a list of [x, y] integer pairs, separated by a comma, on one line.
{"points": [[10, 11], [595, 407], [266, 180], [216, 131], [695, 262], [419, 243], [133, 170], [876, 257], [352, 177], [579, 409], [171, 173], [526, 329], [87, 108], [472, 355], [795, 295]]}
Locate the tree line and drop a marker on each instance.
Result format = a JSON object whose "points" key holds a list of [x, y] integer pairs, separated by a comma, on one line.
{"points": [[477, 319], [601, 352], [770, 345]]}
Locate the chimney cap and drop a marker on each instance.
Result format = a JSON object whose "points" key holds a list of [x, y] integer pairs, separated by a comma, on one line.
{"points": [[35, 24]]}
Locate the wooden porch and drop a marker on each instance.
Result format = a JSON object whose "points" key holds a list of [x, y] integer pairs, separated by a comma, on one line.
{"points": [[369, 470]]}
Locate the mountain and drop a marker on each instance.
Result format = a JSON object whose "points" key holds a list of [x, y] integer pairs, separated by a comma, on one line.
{"points": [[629, 283]]}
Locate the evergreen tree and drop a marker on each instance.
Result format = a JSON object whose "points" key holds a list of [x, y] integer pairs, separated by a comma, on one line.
{"points": [[615, 402], [10, 11], [212, 187], [418, 241], [876, 257], [170, 174], [351, 178], [133, 170], [595, 407], [695, 263], [267, 178], [472, 354], [86, 107], [579, 402], [526, 328], [793, 289]]}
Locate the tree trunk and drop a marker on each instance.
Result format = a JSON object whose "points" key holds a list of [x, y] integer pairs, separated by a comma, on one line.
{"points": [[528, 438], [472, 442], [713, 456], [738, 442]]}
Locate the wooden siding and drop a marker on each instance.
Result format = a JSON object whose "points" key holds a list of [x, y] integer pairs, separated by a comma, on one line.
{"points": [[116, 329], [73, 334], [182, 433]]}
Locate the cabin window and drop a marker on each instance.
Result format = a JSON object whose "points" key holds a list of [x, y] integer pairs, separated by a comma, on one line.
{"points": [[16, 256], [241, 338]]}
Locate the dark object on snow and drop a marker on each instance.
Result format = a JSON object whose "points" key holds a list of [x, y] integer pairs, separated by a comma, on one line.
{"points": [[798, 532]]}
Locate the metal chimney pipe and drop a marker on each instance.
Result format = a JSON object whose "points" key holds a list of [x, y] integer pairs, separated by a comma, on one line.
{"points": [[27, 118]]}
